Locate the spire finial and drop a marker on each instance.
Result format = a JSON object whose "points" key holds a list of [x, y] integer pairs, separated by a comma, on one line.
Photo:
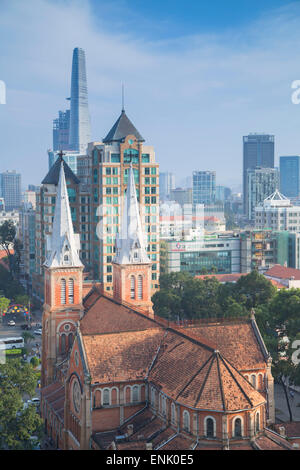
{"points": [[123, 109]]}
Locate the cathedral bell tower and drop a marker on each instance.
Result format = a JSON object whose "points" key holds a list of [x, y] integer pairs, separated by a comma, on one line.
{"points": [[131, 265], [63, 285]]}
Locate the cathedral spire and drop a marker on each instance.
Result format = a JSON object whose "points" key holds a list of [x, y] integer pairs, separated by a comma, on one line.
{"points": [[130, 242], [63, 244]]}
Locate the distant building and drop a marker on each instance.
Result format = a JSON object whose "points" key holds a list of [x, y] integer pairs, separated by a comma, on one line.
{"points": [[258, 151], [10, 215], [261, 183], [204, 187], [222, 193], [217, 253], [166, 185], [27, 237], [10, 184], [181, 196], [277, 213], [290, 176], [61, 128], [30, 198]]}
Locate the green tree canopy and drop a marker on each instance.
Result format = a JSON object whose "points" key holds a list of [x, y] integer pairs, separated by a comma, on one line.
{"points": [[17, 424]]}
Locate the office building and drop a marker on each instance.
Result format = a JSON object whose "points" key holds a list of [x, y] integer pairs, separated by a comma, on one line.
{"points": [[10, 184], [290, 176], [166, 185], [261, 183], [277, 213], [258, 151], [218, 253], [204, 187], [181, 196]]}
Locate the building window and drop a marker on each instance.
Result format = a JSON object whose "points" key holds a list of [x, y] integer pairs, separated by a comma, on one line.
{"points": [[106, 398], [186, 421], [71, 291], [132, 287], [63, 291], [209, 427], [140, 286], [135, 393], [257, 426], [237, 430], [173, 413]]}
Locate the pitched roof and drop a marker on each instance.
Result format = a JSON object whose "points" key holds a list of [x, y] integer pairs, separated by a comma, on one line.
{"points": [[122, 356], [236, 340], [52, 176], [121, 129], [223, 277], [207, 380], [281, 272], [105, 315]]}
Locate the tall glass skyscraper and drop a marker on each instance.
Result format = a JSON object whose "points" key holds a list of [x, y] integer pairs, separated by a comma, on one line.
{"points": [[258, 152], [204, 187], [80, 128], [290, 176]]}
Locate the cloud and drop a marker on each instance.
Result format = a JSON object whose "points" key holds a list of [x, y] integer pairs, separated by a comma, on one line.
{"points": [[192, 98]]}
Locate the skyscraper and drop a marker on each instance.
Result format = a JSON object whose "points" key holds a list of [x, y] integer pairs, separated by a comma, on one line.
{"points": [[10, 189], [166, 184], [258, 151], [204, 187], [80, 128], [290, 176], [261, 183], [61, 127]]}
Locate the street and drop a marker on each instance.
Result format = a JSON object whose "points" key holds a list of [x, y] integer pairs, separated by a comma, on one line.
{"points": [[281, 409]]}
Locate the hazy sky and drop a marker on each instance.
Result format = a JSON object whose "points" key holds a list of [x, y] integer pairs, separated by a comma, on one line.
{"points": [[198, 76]]}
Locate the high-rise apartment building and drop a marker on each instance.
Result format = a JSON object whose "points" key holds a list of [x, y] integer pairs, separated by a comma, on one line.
{"points": [[290, 176], [166, 185], [110, 162], [277, 213], [10, 189], [258, 151], [261, 183], [80, 127], [204, 187]]}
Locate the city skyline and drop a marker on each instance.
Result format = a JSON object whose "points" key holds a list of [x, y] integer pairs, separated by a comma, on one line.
{"points": [[209, 96]]}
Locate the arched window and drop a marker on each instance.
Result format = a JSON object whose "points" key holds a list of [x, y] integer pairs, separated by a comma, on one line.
{"points": [[257, 425], [253, 380], [209, 427], [237, 428], [152, 396], [186, 421], [106, 397], [63, 343], [70, 340], [132, 287], [135, 393], [71, 291], [63, 291], [140, 286], [173, 413]]}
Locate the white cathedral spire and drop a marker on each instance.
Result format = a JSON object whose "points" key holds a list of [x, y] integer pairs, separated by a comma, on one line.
{"points": [[130, 242], [63, 244]]}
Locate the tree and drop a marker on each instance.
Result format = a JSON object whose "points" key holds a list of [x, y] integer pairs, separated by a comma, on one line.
{"points": [[17, 424], [253, 290], [7, 236], [27, 336], [34, 361], [4, 304]]}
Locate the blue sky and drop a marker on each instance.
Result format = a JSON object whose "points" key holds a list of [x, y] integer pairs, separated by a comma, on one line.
{"points": [[198, 76]]}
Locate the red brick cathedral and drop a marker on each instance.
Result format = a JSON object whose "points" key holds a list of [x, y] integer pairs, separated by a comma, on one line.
{"points": [[115, 376]]}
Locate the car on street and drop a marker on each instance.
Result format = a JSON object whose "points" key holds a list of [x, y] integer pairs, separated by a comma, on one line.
{"points": [[38, 331], [11, 323], [26, 327]]}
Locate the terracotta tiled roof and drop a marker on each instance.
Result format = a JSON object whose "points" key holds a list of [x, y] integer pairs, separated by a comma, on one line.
{"points": [[269, 441], [107, 316], [206, 379], [104, 439], [122, 356], [292, 428], [54, 395], [277, 284], [235, 340], [179, 442], [223, 277], [281, 272]]}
